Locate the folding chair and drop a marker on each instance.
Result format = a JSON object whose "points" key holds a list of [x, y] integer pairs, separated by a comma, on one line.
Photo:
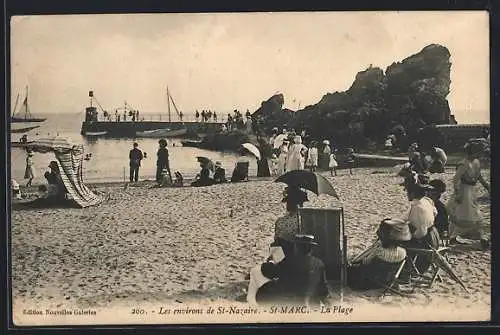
{"points": [[421, 278], [393, 281], [327, 226]]}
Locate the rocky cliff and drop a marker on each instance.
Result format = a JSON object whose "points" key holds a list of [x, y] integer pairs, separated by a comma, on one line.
{"points": [[407, 96]]}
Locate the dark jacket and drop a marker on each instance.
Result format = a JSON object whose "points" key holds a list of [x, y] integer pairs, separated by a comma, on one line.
{"points": [[135, 157], [441, 220], [300, 278], [204, 179], [220, 175], [162, 157]]}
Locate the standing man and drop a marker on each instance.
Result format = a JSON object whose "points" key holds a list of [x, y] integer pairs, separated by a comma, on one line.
{"points": [[135, 157], [180, 115]]}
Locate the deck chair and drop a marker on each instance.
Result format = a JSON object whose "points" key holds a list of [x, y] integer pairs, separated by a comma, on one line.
{"points": [[327, 226], [434, 270], [240, 172], [393, 281]]}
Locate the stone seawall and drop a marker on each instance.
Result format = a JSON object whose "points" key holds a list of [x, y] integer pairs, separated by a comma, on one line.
{"points": [[129, 129]]}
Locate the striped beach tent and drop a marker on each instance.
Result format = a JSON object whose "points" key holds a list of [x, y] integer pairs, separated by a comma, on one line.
{"points": [[70, 161]]}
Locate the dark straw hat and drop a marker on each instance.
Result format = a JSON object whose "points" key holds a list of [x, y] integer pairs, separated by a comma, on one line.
{"points": [[305, 239]]}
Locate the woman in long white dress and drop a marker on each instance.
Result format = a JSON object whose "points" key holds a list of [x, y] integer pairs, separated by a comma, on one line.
{"points": [[312, 156], [465, 217], [295, 159], [282, 158]]}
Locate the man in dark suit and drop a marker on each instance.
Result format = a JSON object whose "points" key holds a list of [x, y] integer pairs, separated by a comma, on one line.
{"points": [[135, 157], [299, 279]]}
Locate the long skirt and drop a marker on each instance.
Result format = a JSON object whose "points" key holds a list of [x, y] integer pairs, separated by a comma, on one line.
{"points": [[465, 217], [263, 168], [325, 162], [281, 164]]}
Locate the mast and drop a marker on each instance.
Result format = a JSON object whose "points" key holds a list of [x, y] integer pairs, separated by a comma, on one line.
{"points": [[27, 112], [168, 101]]}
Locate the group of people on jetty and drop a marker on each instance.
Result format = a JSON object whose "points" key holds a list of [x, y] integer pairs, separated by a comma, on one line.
{"points": [[293, 275]]}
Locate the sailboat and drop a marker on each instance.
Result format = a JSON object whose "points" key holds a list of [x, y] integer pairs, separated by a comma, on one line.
{"points": [[27, 117], [165, 132]]}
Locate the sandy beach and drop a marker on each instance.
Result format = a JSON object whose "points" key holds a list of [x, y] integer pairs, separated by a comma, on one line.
{"points": [[180, 246]]}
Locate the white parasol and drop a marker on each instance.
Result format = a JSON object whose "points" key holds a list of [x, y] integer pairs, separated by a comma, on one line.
{"points": [[252, 149]]}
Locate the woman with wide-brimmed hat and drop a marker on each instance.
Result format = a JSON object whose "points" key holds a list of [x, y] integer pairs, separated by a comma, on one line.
{"points": [[299, 279], [162, 161], [287, 226], [465, 217], [421, 218], [372, 270], [295, 159], [325, 155]]}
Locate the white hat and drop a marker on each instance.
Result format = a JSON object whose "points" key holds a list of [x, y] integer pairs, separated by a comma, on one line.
{"points": [[15, 185], [326, 142]]}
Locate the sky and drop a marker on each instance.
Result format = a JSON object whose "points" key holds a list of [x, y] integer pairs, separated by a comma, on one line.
{"points": [[229, 61]]}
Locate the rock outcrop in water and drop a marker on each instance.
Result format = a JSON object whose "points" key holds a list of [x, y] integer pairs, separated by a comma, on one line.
{"points": [[409, 95]]}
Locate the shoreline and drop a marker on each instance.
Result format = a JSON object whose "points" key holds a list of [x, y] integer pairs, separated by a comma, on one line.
{"points": [[149, 180]]}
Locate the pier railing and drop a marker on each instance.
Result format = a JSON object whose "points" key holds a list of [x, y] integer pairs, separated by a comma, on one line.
{"points": [[164, 118]]}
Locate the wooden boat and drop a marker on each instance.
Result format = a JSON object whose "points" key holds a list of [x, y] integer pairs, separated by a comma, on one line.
{"points": [[20, 144], [27, 117], [191, 143], [96, 133], [365, 160], [159, 133], [22, 130]]}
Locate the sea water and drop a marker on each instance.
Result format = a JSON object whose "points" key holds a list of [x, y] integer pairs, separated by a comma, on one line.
{"points": [[109, 161]]}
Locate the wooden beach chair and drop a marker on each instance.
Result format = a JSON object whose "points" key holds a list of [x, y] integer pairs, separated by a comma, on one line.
{"points": [[327, 226], [393, 281], [434, 270]]}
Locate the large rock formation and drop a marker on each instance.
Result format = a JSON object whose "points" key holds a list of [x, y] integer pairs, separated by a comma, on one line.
{"points": [[409, 95]]}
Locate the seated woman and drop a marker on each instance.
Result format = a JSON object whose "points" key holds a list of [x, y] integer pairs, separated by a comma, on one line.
{"points": [[421, 218], [298, 279], [220, 174], [240, 172], [203, 178], [376, 269], [53, 194], [54, 179], [287, 226], [441, 221]]}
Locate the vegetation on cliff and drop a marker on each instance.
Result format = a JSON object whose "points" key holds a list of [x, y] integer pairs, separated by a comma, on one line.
{"points": [[409, 95]]}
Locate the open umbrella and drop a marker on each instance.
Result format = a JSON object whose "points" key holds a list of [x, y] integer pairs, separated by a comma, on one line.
{"points": [[207, 161], [252, 149], [308, 180], [278, 141]]}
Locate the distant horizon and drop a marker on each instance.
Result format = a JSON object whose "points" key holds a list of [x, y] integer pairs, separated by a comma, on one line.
{"points": [[227, 61]]}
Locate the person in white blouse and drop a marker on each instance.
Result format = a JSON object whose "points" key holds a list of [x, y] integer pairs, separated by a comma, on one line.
{"points": [[421, 220]]}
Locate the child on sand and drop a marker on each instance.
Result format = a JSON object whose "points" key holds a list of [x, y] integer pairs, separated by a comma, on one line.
{"points": [[333, 164], [30, 169], [350, 159], [274, 165]]}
